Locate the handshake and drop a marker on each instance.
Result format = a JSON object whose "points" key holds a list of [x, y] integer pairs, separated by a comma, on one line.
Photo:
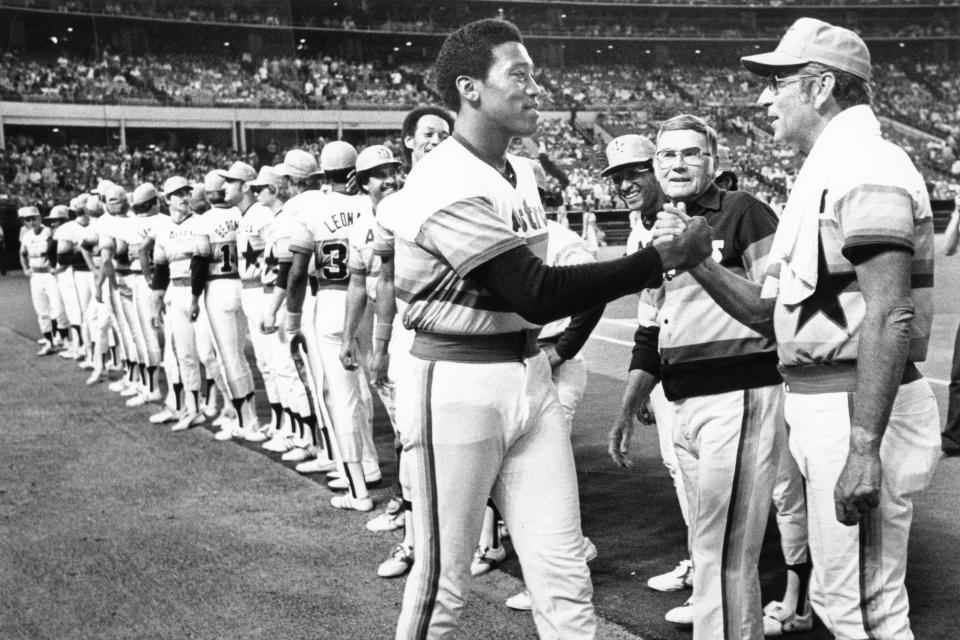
{"points": [[682, 242]]}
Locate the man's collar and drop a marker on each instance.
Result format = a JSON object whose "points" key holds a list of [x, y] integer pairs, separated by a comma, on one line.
{"points": [[709, 200]]}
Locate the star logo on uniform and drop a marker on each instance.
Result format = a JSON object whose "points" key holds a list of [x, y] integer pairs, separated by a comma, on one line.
{"points": [[826, 296], [250, 255]]}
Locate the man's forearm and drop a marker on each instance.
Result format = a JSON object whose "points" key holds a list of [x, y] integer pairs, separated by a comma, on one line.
{"points": [[736, 295], [639, 385], [385, 308], [356, 303], [296, 289]]}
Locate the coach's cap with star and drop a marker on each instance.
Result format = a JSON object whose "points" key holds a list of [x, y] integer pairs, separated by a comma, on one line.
{"points": [[239, 172], [174, 184], [811, 40], [375, 156], [337, 155], [626, 150], [297, 163], [144, 193], [268, 177], [28, 212], [59, 212]]}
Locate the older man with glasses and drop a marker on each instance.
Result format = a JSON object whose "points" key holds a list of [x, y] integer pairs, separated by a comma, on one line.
{"points": [[724, 391]]}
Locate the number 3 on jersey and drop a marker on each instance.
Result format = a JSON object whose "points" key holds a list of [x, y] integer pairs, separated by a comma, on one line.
{"points": [[332, 258]]}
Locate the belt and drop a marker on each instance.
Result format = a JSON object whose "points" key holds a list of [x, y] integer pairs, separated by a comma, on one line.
{"points": [[224, 276], [40, 269], [836, 377], [127, 272], [316, 284], [252, 284], [183, 281], [454, 347]]}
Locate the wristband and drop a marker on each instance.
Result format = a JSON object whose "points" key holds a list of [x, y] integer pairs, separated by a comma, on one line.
{"points": [[293, 322]]}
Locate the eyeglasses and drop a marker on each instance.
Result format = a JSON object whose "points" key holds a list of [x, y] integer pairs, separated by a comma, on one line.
{"points": [[775, 84], [691, 156], [630, 174]]}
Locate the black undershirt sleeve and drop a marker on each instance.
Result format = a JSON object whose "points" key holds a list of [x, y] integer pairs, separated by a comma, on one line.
{"points": [[646, 350], [542, 294], [283, 274], [575, 335], [199, 266], [52, 252], [161, 277]]}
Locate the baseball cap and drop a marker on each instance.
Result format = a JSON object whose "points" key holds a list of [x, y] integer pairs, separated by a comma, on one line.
{"points": [[102, 187], [174, 183], [78, 203], [92, 207], [337, 155], [297, 163], [213, 181], [28, 212], [239, 171], [811, 40], [59, 212], [627, 150], [267, 177], [144, 193], [374, 156], [115, 194]]}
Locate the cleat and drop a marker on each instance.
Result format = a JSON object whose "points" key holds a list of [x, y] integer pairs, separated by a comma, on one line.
{"points": [[46, 350], [226, 415], [228, 431], [485, 558], [399, 562], [317, 465], [340, 483], [296, 454], [117, 385], [779, 621], [163, 416], [130, 391], [349, 502], [681, 616], [137, 401], [254, 434], [278, 444], [390, 520], [589, 549], [87, 364], [68, 354], [209, 411], [679, 578], [187, 420], [95, 377], [520, 601]]}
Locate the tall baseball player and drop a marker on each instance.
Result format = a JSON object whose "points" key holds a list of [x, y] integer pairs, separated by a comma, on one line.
{"points": [[37, 253], [60, 225], [70, 238], [320, 230], [177, 286], [217, 248], [469, 259]]}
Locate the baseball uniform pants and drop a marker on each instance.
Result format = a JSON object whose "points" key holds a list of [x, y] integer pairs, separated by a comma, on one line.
{"points": [[228, 325], [182, 330], [570, 379], [858, 572], [791, 508], [47, 301], [131, 314], [251, 298], [70, 295], [663, 413]]}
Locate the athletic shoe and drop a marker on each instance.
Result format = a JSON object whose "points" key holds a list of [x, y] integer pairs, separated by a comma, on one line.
{"points": [[137, 401], [68, 353], [228, 431], [227, 414], [164, 415], [485, 558], [520, 601], [349, 502], [130, 391], [118, 385], [682, 615], [399, 562], [390, 520], [95, 376], [589, 549], [317, 465], [255, 433], [47, 349], [278, 443], [297, 454], [778, 620], [340, 484], [87, 364], [679, 578], [209, 411], [187, 420]]}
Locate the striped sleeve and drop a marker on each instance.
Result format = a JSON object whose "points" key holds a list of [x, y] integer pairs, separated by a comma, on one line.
{"points": [[468, 233], [301, 238], [383, 239], [356, 237], [873, 214], [754, 239]]}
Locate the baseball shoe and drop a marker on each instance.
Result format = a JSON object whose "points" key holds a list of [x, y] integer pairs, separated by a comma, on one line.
{"points": [[589, 549], [679, 578], [520, 601], [349, 502], [118, 385], [143, 398], [187, 420], [227, 414], [485, 558], [317, 465], [47, 349], [228, 431], [255, 433], [68, 354], [297, 454], [163, 416], [399, 562], [95, 376], [278, 443], [340, 483], [209, 411], [681, 616], [87, 364], [779, 621], [390, 520], [130, 391]]}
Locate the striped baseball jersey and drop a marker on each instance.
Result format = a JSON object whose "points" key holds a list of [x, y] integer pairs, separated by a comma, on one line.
{"points": [[217, 237], [458, 213], [36, 244], [363, 261], [109, 231], [135, 233], [695, 347], [276, 239], [251, 243], [176, 244], [871, 196], [70, 235], [91, 241], [564, 248], [321, 227]]}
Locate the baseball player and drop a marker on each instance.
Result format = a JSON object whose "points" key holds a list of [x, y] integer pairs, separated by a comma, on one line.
{"points": [[37, 253], [59, 218], [70, 238], [848, 296], [469, 259], [320, 229], [217, 248]]}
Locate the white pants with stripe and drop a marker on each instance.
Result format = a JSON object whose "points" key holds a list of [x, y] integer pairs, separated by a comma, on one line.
{"points": [[728, 446], [47, 302], [251, 297], [142, 297], [70, 295], [791, 507], [131, 314], [858, 587], [472, 431], [664, 415], [183, 334], [570, 379], [228, 326]]}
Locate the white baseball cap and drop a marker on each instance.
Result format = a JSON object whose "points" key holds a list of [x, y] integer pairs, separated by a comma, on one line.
{"points": [[59, 212], [297, 163], [213, 181], [144, 193], [115, 194], [173, 184], [267, 177], [337, 155], [28, 212], [811, 40], [374, 156], [239, 172], [627, 150]]}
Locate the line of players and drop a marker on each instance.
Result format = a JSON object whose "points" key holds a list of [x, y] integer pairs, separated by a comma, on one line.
{"points": [[292, 260]]}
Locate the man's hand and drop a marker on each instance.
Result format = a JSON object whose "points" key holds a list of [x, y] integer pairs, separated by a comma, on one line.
{"points": [[98, 295], [858, 487], [618, 444], [194, 310], [379, 367], [683, 242], [552, 357], [645, 413], [268, 323], [347, 357]]}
